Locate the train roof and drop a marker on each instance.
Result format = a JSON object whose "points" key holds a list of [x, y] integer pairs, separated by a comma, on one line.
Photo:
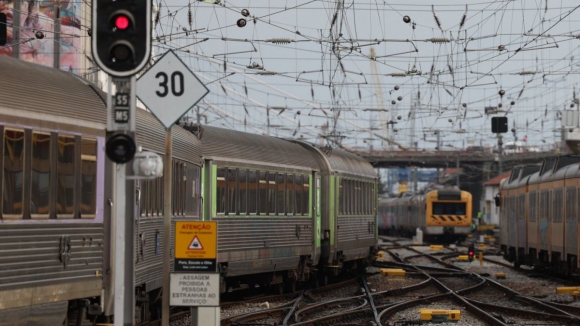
{"points": [[242, 147], [64, 98], [345, 162], [51, 93]]}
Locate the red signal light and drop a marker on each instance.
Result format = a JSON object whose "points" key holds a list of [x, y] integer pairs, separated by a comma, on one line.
{"points": [[471, 253], [122, 22]]}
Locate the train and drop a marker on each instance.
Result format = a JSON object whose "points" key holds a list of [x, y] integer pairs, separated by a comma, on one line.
{"points": [[443, 215], [288, 211], [539, 215]]}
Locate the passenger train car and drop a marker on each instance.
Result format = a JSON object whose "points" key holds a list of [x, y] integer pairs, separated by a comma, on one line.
{"points": [[539, 215], [441, 214], [287, 211]]}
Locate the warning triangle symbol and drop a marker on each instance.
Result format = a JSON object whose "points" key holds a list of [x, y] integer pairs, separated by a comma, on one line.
{"points": [[195, 244]]}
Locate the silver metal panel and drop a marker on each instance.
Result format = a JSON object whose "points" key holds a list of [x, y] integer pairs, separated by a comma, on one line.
{"points": [[49, 314], [244, 267], [149, 250], [35, 295], [30, 254], [355, 228], [236, 146], [254, 238]]}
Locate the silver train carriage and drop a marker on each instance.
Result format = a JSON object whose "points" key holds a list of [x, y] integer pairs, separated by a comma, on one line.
{"points": [[286, 210], [56, 214]]}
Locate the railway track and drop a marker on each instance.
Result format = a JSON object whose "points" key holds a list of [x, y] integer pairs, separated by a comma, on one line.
{"points": [[434, 279]]}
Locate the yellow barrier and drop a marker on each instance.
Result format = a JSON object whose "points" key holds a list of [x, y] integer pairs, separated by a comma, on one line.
{"points": [[463, 257], [500, 275], [567, 289], [439, 315], [392, 272], [435, 247]]}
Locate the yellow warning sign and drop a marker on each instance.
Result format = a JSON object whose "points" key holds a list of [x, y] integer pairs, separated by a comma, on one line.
{"points": [[196, 240]]}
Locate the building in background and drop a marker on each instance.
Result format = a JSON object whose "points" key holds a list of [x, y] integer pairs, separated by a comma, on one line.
{"points": [[488, 208]]}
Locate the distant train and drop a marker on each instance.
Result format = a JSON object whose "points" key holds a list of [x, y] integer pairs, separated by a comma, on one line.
{"points": [[287, 211], [539, 215], [442, 215]]}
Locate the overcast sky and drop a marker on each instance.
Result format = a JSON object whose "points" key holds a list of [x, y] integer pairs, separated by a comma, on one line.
{"points": [[299, 65]]}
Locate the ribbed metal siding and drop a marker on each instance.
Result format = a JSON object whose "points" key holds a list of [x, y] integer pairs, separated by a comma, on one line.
{"points": [[355, 228], [31, 87], [149, 266], [30, 254], [240, 234], [236, 145]]}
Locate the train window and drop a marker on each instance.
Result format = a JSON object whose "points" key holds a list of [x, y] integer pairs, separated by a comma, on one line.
{"points": [[544, 199], [192, 199], [557, 205], [232, 196], [533, 200], [159, 196], [290, 194], [357, 197], [521, 212], [13, 183], [571, 204], [253, 192], [221, 191], [175, 194], [88, 177], [143, 203], [299, 188], [263, 193], [243, 181], [271, 196], [65, 192], [340, 196], [280, 193], [40, 174], [306, 196]]}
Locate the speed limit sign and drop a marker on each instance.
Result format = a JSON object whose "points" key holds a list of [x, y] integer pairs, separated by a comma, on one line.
{"points": [[170, 89]]}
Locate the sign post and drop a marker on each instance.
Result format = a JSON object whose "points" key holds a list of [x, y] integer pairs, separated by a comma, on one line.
{"points": [[162, 89]]}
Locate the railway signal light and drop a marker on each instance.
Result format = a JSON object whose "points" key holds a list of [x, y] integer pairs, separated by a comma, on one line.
{"points": [[120, 148], [499, 125], [121, 35], [471, 252]]}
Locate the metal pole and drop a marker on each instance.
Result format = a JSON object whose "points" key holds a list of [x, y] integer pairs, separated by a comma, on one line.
{"points": [[119, 272], [500, 152], [167, 176]]}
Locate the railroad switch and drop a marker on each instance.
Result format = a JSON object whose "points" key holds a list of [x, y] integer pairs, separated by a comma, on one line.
{"points": [[393, 272], [567, 289], [439, 315], [500, 275], [435, 247]]}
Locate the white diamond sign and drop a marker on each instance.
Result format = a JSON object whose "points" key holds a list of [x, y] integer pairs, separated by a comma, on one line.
{"points": [[169, 89]]}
